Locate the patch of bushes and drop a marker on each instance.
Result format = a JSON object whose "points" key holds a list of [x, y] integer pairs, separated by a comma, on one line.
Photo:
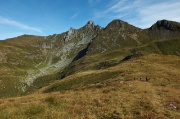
{"points": [[105, 64], [53, 101]]}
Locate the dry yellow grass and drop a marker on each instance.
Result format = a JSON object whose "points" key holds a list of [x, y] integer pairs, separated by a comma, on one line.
{"points": [[115, 98]]}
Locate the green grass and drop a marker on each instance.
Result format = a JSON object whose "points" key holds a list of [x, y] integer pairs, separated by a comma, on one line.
{"points": [[4, 114], [109, 93], [82, 81], [170, 47], [43, 81], [34, 110]]}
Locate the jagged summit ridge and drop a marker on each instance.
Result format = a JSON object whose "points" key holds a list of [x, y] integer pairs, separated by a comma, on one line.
{"points": [[89, 31], [69, 35], [90, 24]]}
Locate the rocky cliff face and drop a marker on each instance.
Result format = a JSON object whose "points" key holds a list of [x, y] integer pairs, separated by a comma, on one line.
{"points": [[165, 30], [166, 25]]}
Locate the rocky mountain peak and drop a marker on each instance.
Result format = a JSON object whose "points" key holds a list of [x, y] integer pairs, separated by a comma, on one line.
{"points": [[116, 23], [71, 31], [165, 24], [90, 24], [69, 34]]}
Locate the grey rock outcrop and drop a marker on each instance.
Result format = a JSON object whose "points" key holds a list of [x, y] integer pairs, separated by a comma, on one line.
{"points": [[90, 24], [73, 41]]}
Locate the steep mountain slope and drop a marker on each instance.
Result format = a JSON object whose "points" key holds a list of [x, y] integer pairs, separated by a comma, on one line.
{"points": [[121, 35], [25, 58], [118, 35], [165, 30], [166, 35]]}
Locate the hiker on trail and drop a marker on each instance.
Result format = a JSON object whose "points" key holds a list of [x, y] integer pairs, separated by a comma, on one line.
{"points": [[147, 78], [141, 78]]}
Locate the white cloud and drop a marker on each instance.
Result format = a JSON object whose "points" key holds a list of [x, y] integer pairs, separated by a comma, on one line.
{"points": [[18, 24], [166, 10], [74, 16], [93, 1], [141, 13], [118, 6], [118, 9]]}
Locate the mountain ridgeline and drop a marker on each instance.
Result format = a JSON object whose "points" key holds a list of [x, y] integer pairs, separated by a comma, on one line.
{"points": [[30, 62]]}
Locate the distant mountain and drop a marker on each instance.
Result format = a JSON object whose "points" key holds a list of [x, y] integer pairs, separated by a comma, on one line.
{"points": [[29, 62], [120, 40], [121, 35], [118, 35]]}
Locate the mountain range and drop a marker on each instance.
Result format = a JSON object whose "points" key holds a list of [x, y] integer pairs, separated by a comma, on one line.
{"points": [[117, 72], [28, 62]]}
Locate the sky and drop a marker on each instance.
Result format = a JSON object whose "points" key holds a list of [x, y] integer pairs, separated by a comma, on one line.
{"points": [[48, 17]]}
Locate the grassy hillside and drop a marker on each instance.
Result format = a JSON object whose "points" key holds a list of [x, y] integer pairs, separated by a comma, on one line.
{"points": [[26, 58], [110, 58], [29, 62], [108, 93], [17, 57]]}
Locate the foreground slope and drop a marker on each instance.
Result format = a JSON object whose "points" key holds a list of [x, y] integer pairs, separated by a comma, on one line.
{"points": [[107, 93]]}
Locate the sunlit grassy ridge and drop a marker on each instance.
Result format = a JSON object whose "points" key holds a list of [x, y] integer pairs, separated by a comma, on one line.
{"points": [[18, 55], [154, 66], [116, 96]]}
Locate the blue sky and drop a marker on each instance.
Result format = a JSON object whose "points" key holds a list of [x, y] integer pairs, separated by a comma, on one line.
{"points": [[47, 17]]}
